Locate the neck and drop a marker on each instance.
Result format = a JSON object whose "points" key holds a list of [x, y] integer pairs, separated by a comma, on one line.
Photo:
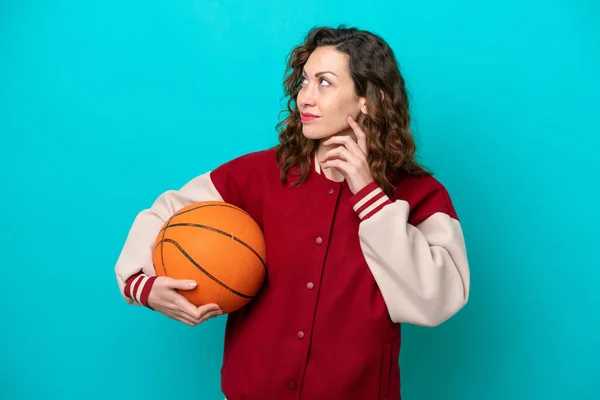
{"points": [[332, 173]]}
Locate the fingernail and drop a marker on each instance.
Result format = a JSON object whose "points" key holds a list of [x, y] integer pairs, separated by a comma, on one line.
{"points": [[191, 284]]}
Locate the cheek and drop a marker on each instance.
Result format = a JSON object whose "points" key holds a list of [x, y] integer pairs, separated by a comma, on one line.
{"points": [[338, 111]]}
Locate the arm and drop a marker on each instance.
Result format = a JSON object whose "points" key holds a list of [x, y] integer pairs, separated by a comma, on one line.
{"points": [[134, 269], [418, 258]]}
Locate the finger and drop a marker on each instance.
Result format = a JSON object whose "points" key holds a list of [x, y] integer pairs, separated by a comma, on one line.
{"points": [[187, 321], [347, 142], [205, 315], [183, 315], [207, 308], [182, 304], [184, 319], [340, 152], [342, 166], [361, 136], [183, 284], [210, 315]]}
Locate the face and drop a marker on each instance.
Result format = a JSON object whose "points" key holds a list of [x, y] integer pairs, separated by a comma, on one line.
{"points": [[328, 92]]}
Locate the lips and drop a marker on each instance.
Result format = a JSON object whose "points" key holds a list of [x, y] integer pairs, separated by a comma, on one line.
{"points": [[308, 117]]}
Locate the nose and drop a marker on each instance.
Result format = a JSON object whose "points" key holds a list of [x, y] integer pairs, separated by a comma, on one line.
{"points": [[305, 101], [306, 98]]}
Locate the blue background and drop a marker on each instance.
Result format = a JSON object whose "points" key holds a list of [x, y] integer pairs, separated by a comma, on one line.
{"points": [[104, 105]]}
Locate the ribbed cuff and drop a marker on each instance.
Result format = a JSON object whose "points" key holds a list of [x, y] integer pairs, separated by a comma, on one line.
{"points": [[369, 200], [138, 287]]}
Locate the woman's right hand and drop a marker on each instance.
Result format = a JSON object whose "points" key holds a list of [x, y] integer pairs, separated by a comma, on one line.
{"points": [[164, 298]]}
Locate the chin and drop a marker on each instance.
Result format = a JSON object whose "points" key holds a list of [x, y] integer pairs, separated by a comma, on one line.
{"points": [[311, 133]]}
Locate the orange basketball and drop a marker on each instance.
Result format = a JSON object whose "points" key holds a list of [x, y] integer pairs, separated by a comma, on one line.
{"points": [[217, 245]]}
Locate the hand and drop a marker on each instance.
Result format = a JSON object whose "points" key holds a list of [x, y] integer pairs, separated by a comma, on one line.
{"points": [[164, 298], [351, 157]]}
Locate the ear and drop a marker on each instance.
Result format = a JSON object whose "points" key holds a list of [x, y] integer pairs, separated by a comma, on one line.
{"points": [[363, 105]]}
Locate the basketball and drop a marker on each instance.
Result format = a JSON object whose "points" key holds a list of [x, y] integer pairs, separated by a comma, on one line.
{"points": [[219, 246]]}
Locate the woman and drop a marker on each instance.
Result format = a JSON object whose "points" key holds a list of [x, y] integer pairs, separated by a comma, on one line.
{"points": [[359, 237]]}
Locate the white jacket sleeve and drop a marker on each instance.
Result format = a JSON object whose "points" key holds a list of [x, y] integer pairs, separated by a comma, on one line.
{"points": [[135, 259], [422, 271]]}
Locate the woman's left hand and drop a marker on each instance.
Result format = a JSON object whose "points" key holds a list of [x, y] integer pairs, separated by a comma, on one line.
{"points": [[351, 158]]}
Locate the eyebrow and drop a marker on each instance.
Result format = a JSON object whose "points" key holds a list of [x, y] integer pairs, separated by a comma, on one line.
{"points": [[318, 74]]}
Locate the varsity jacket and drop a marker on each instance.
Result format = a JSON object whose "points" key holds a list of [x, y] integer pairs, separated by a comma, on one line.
{"points": [[344, 271]]}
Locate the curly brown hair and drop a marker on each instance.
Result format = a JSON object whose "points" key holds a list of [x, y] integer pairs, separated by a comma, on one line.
{"points": [[373, 68]]}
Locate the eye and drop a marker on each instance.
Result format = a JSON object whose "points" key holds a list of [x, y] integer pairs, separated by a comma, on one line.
{"points": [[321, 81]]}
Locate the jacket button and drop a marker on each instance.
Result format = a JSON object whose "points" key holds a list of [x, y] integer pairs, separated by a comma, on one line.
{"points": [[292, 386], [300, 335], [319, 240], [310, 285], [331, 191]]}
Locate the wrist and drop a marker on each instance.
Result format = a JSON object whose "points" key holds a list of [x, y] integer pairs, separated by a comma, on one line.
{"points": [[369, 200], [138, 286]]}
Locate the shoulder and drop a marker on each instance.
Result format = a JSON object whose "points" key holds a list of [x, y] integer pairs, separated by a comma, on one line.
{"points": [[425, 195], [252, 158], [246, 164], [244, 170], [242, 180]]}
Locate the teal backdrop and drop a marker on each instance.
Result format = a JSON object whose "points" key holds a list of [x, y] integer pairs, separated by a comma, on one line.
{"points": [[106, 104]]}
